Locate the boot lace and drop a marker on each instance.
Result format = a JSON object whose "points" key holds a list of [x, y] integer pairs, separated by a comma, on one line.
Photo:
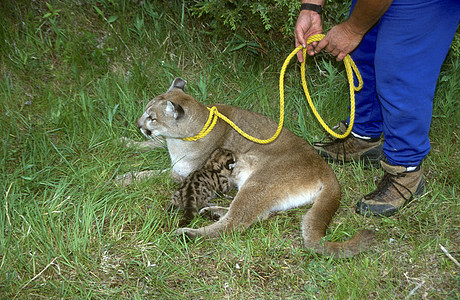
{"points": [[386, 183]]}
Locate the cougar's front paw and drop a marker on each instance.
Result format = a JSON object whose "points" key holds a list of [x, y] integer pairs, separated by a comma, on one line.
{"points": [[125, 179], [126, 141], [134, 176], [155, 142]]}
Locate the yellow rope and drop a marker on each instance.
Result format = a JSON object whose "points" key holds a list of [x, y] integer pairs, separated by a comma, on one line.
{"points": [[350, 67]]}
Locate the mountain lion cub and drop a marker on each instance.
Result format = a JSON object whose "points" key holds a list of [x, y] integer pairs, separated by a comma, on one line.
{"points": [[201, 186], [284, 174]]}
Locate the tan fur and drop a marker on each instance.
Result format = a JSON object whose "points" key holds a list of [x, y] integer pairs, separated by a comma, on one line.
{"points": [[281, 175]]}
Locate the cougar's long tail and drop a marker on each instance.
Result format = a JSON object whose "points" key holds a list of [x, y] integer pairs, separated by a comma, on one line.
{"points": [[314, 226]]}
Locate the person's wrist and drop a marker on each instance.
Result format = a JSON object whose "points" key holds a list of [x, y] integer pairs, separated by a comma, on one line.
{"points": [[318, 2], [353, 29], [307, 6]]}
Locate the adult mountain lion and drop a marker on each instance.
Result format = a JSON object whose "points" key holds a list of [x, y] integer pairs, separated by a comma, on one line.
{"points": [[284, 174]]}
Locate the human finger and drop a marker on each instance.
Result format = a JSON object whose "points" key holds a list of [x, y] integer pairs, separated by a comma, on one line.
{"points": [[299, 40], [341, 56], [311, 49], [299, 53], [321, 45]]}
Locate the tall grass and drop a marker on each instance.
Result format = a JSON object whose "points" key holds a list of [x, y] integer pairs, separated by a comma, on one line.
{"points": [[75, 75]]}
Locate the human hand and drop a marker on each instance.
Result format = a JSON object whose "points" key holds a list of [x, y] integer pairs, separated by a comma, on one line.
{"points": [[308, 24], [340, 41]]}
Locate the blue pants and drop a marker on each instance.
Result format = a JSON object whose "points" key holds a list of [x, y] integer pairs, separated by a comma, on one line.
{"points": [[400, 60]]}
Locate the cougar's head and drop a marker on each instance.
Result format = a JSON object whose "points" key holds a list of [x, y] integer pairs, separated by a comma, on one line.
{"points": [[170, 114]]}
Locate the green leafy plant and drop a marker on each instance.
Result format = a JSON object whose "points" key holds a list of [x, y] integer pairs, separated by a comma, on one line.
{"points": [[256, 21], [260, 21]]}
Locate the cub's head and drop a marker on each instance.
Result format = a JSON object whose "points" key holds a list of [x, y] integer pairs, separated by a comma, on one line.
{"points": [[171, 114], [221, 160]]}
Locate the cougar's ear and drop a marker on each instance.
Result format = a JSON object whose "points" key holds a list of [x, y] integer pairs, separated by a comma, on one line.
{"points": [[174, 110], [178, 83]]}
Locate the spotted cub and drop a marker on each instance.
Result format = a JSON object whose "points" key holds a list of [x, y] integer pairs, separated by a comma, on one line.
{"points": [[201, 186]]}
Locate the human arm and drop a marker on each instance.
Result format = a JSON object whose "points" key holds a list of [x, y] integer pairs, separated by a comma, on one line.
{"points": [[308, 24], [345, 37]]}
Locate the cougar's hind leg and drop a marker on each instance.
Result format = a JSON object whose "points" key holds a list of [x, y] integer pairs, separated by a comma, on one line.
{"points": [[250, 204]]}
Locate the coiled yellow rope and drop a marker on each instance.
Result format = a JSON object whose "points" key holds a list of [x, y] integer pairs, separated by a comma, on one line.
{"points": [[350, 67]]}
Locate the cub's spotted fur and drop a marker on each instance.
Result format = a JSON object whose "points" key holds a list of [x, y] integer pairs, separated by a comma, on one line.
{"points": [[201, 185]]}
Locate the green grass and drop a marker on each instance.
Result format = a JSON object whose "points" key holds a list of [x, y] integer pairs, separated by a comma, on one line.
{"points": [[75, 75]]}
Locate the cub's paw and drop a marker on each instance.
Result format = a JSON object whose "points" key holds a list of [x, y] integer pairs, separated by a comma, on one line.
{"points": [[213, 212], [188, 232]]}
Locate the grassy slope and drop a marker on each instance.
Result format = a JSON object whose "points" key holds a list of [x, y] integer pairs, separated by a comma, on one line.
{"points": [[72, 83]]}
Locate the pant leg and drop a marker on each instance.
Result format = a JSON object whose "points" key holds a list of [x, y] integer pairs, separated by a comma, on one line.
{"points": [[368, 117], [412, 42]]}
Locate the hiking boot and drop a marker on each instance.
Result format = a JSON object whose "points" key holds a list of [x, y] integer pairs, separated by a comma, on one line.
{"points": [[397, 188], [352, 148]]}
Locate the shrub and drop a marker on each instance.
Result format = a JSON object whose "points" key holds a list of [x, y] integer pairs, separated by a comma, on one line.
{"points": [[260, 20]]}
